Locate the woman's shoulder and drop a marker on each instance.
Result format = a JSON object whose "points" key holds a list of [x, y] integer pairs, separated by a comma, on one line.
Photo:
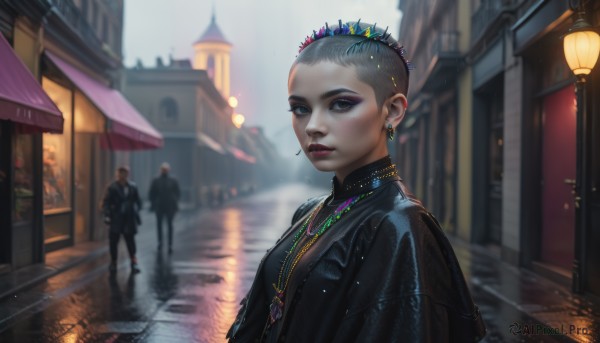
{"points": [[404, 213], [306, 206], [396, 198]]}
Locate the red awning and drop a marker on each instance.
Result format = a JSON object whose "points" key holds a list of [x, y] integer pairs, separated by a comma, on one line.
{"points": [[241, 155], [126, 128], [22, 98]]}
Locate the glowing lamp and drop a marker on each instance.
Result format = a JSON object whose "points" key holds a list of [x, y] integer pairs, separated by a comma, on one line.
{"points": [[238, 120], [582, 46], [233, 102]]}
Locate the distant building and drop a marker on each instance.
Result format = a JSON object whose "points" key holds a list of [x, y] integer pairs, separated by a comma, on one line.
{"points": [[213, 54], [212, 159], [269, 168], [194, 120]]}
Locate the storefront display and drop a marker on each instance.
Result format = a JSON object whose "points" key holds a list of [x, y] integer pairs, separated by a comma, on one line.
{"points": [[57, 172], [57, 150]]}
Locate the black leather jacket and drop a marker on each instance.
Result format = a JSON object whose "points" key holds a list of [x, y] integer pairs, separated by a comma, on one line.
{"points": [[122, 209], [385, 273]]}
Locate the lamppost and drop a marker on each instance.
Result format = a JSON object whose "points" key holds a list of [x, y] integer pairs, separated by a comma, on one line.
{"points": [[238, 119], [581, 47]]}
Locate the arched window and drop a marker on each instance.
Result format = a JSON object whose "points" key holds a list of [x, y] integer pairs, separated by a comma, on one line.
{"points": [[210, 67], [168, 110]]}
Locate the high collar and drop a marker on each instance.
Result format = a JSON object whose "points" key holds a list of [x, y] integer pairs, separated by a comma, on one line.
{"points": [[365, 179]]}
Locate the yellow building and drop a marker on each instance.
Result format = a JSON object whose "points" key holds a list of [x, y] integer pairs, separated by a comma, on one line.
{"points": [[212, 53]]}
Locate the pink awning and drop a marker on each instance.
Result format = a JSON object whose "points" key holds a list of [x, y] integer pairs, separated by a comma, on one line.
{"points": [[22, 98], [241, 155], [207, 141], [126, 128]]}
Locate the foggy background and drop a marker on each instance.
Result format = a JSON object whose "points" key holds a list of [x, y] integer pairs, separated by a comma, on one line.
{"points": [[265, 35]]}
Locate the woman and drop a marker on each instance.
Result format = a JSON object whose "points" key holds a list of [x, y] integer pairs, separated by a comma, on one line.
{"points": [[366, 263]]}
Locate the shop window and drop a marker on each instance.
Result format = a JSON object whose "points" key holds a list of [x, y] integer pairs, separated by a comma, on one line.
{"points": [[23, 179], [57, 150], [168, 110]]}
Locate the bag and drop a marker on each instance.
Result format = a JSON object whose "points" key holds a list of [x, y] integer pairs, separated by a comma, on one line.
{"points": [[138, 219]]}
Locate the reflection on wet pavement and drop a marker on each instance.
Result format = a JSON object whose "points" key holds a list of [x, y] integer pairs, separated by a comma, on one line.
{"points": [[193, 295], [190, 296]]}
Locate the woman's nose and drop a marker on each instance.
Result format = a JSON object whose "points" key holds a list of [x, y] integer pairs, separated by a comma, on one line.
{"points": [[317, 123]]}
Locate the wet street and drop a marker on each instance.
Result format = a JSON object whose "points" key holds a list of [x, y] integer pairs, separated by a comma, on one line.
{"points": [[193, 294]]}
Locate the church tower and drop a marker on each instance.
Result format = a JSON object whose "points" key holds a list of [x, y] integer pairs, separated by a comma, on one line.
{"points": [[212, 53]]}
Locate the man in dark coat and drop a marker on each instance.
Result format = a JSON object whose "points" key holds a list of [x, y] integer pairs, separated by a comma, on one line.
{"points": [[121, 206], [164, 197]]}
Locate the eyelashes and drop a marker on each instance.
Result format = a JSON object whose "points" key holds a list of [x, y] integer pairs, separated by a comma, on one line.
{"points": [[343, 105], [340, 105], [299, 110]]}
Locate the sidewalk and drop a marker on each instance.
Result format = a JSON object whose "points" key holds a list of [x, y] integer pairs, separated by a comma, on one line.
{"points": [[56, 262], [64, 259], [524, 305]]}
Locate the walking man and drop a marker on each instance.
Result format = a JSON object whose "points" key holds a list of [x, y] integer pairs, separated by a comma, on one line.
{"points": [[121, 206], [164, 197]]}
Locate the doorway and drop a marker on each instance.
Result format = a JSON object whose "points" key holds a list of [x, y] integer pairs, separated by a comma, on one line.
{"points": [[5, 203], [495, 163], [558, 175], [84, 186]]}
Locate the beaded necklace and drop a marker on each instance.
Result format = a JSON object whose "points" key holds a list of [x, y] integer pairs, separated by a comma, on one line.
{"points": [[295, 253], [374, 176]]}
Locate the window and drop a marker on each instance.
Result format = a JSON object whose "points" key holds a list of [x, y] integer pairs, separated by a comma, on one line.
{"points": [[210, 67], [105, 28], [84, 10], [57, 153], [168, 110], [95, 15]]}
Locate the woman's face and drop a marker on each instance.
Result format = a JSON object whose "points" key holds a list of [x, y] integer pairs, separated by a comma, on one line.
{"points": [[336, 117]]}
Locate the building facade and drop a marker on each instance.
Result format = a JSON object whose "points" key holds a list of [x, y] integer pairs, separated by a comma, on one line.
{"points": [[512, 127], [213, 54], [73, 50], [194, 119], [188, 102], [427, 153]]}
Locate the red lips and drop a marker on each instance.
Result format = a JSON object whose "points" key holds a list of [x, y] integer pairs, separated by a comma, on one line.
{"points": [[318, 147]]}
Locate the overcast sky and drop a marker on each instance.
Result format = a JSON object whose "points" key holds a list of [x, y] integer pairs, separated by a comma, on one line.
{"points": [[265, 35]]}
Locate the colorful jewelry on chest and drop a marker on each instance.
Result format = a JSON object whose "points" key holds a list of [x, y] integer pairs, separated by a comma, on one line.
{"points": [[303, 240], [375, 176]]}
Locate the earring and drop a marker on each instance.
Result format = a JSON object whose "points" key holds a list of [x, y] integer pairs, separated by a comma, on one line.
{"points": [[390, 132], [298, 153]]}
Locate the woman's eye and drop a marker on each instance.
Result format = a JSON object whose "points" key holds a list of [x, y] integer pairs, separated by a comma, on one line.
{"points": [[299, 110], [342, 105]]}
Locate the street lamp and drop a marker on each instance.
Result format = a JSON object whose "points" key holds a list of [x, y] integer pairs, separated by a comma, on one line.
{"points": [[581, 46], [233, 102], [238, 119]]}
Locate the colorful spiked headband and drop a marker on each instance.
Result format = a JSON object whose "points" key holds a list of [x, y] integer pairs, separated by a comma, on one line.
{"points": [[369, 32]]}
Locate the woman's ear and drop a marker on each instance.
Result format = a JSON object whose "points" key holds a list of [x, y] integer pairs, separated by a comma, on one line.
{"points": [[396, 106]]}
